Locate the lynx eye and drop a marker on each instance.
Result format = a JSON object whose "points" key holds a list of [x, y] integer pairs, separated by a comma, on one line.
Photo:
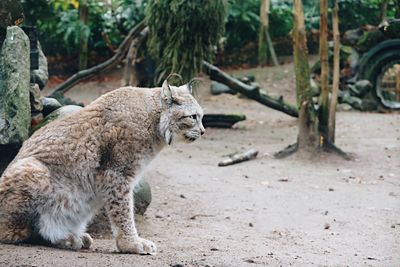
{"points": [[194, 117]]}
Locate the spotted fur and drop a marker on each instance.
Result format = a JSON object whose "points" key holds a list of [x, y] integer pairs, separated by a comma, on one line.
{"points": [[72, 167]]}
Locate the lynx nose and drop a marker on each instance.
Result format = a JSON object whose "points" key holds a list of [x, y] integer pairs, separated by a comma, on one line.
{"points": [[202, 130]]}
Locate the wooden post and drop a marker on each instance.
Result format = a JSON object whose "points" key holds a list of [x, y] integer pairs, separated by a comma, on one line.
{"points": [[336, 73], [384, 6], [264, 40], [307, 138], [323, 54], [83, 48]]}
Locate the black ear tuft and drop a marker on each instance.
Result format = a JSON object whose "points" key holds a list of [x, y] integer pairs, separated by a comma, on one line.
{"points": [[192, 83]]}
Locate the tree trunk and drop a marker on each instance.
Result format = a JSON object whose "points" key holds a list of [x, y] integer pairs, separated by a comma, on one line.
{"points": [[336, 73], [384, 6], [131, 76], [323, 55], [264, 39], [83, 49], [308, 132], [262, 42]]}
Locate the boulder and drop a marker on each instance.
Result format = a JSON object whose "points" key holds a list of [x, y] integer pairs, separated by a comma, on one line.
{"points": [[15, 108], [49, 105], [220, 88], [363, 87], [142, 194], [57, 114], [41, 75]]}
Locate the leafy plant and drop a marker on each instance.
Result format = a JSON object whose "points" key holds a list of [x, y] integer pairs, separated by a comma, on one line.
{"points": [[183, 33]]}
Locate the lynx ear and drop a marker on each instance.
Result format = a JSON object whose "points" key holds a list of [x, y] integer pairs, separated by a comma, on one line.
{"points": [[166, 93]]}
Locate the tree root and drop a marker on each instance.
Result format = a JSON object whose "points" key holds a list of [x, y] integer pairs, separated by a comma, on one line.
{"points": [[287, 151]]}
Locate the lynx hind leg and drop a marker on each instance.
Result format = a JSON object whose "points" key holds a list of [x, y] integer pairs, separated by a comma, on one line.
{"points": [[20, 186], [14, 232]]}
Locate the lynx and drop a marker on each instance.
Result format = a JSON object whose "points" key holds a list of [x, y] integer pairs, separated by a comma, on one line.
{"points": [[70, 168]]}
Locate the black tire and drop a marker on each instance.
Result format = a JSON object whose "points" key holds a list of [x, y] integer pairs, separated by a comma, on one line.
{"points": [[375, 63]]}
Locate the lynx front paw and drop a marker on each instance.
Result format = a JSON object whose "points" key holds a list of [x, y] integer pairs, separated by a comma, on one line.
{"points": [[86, 240], [137, 246], [71, 242]]}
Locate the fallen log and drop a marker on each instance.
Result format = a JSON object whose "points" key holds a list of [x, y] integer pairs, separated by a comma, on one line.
{"points": [[251, 91], [222, 120], [120, 54], [239, 157]]}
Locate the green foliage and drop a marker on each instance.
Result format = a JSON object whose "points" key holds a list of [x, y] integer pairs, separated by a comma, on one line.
{"points": [[59, 26], [183, 33], [355, 13], [243, 21]]}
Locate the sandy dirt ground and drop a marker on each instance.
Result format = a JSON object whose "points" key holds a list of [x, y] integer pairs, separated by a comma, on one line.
{"points": [[298, 211]]}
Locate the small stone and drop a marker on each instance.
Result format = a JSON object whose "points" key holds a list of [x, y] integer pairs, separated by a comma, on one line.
{"points": [[327, 226], [283, 180], [331, 189], [49, 105], [182, 196], [393, 226], [214, 249], [251, 225]]}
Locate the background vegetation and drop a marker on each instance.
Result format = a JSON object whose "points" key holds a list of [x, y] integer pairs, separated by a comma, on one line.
{"points": [[109, 21]]}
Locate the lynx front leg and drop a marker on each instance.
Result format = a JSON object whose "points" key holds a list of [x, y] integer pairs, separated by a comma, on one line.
{"points": [[119, 208]]}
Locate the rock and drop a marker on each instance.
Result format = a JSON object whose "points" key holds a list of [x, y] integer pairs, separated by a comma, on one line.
{"points": [[363, 87], [41, 75], [343, 107], [315, 90], [49, 105], [142, 194], [369, 105], [15, 108], [220, 88], [35, 98], [57, 114]]}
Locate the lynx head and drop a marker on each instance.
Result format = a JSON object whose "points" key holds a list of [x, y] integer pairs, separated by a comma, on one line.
{"points": [[181, 115]]}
